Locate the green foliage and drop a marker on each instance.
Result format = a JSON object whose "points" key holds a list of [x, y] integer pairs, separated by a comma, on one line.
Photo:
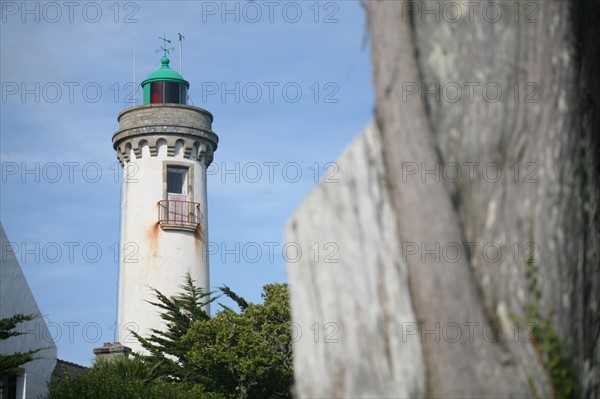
{"points": [[241, 302], [232, 355], [166, 348], [8, 326], [10, 364], [562, 374], [122, 378], [246, 354]]}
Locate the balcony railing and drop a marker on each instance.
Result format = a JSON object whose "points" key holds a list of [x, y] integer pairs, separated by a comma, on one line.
{"points": [[175, 214]]}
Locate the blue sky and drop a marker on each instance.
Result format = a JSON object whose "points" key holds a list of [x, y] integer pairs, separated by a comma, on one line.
{"points": [[297, 81]]}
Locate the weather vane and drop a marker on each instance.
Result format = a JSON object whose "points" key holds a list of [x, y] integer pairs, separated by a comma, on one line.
{"points": [[164, 47]]}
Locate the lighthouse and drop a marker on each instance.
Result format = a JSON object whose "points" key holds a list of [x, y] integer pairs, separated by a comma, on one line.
{"points": [[164, 147]]}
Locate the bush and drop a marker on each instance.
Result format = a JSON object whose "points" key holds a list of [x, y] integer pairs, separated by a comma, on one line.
{"points": [[124, 378]]}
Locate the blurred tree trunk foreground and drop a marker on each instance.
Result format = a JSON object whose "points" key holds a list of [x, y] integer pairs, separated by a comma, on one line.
{"points": [[509, 88]]}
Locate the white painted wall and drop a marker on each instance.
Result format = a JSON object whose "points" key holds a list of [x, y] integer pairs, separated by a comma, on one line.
{"points": [[150, 256], [16, 298]]}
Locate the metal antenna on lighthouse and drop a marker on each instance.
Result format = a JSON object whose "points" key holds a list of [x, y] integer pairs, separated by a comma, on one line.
{"points": [[181, 39], [134, 81]]}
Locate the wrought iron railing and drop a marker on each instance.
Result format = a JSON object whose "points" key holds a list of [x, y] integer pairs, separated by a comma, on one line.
{"points": [[173, 213]]}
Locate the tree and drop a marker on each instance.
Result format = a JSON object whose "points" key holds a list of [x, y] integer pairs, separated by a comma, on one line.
{"points": [[10, 364], [246, 354], [166, 348], [543, 140], [232, 355], [485, 128]]}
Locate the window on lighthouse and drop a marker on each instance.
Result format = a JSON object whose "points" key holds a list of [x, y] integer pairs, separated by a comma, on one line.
{"points": [[156, 92], [176, 180], [179, 208], [162, 92]]}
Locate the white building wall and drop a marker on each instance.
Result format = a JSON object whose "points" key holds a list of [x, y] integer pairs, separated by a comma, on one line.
{"points": [[16, 298], [152, 257]]}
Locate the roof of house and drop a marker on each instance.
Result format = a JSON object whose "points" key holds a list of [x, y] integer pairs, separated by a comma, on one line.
{"points": [[65, 367]]}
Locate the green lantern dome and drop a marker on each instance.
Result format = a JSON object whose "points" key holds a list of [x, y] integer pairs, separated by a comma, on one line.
{"points": [[165, 86]]}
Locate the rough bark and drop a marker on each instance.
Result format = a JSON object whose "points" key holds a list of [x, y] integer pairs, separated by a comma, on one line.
{"points": [[417, 243], [558, 212]]}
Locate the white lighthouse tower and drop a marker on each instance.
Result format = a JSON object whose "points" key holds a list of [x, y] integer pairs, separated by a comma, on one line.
{"points": [[164, 147]]}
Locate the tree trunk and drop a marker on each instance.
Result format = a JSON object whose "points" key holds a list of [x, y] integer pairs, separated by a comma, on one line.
{"points": [[541, 135], [463, 229]]}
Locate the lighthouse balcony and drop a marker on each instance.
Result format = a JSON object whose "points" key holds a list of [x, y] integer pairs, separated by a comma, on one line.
{"points": [[179, 215]]}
